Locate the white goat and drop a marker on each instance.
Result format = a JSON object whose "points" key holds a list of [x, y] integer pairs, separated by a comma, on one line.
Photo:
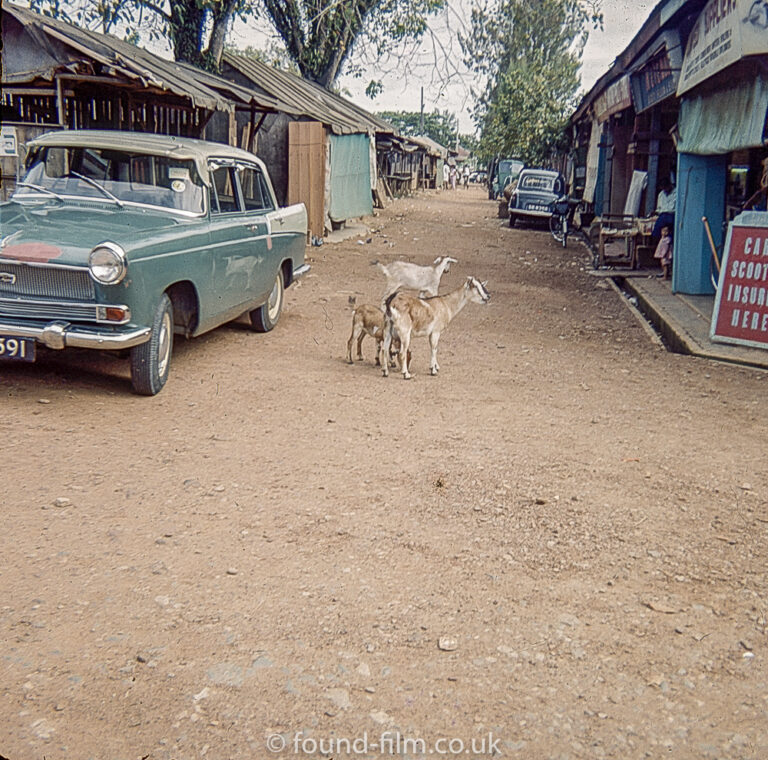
{"points": [[368, 320], [424, 280], [409, 317]]}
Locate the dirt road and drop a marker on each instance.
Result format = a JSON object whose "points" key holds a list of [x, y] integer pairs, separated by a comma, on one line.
{"points": [[554, 549]]}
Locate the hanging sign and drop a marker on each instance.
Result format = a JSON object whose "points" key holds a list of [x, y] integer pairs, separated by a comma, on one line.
{"points": [[741, 305], [8, 144], [615, 98], [656, 74], [724, 32]]}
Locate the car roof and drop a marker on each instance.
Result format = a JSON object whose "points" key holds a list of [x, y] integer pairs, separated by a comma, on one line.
{"points": [[548, 172], [183, 148]]}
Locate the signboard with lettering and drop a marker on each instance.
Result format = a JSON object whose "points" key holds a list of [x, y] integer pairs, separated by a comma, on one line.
{"points": [[741, 305], [656, 74], [724, 32], [615, 98], [8, 144]]}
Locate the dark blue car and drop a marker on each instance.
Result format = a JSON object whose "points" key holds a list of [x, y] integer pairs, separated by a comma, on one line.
{"points": [[535, 194]]}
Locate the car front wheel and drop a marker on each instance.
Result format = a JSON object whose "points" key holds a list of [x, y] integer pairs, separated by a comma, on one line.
{"points": [[512, 220], [151, 361], [266, 316]]}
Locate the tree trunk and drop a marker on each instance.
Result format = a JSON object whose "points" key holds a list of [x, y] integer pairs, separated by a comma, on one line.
{"points": [[222, 21], [185, 25]]}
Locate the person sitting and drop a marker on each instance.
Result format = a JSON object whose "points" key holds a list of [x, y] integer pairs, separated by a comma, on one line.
{"points": [[665, 208]]}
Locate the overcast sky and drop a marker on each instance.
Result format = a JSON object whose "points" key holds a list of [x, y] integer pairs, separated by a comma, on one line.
{"points": [[451, 88]]}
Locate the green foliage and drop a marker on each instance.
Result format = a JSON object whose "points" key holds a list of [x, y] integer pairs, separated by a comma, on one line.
{"points": [[320, 35], [195, 29], [442, 127], [530, 55]]}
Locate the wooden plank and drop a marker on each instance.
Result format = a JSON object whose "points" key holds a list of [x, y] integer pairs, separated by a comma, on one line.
{"points": [[306, 171]]}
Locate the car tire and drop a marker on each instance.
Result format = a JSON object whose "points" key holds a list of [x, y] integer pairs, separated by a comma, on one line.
{"points": [[151, 361], [267, 315], [512, 220]]}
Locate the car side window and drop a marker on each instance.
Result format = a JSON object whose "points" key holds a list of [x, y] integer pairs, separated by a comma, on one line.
{"points": [[255, 193], [224, 198]]}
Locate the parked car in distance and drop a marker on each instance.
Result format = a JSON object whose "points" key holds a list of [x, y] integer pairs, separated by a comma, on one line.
{"points": [[479, 177], [501, 173], [119, 240], [535, 194]]}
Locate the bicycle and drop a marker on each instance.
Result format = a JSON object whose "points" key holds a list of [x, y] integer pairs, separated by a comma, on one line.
{"points": [[558, 222]]}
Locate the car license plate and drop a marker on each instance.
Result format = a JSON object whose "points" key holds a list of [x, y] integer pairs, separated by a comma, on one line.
{"points": [[537, 207], [17, 349]]}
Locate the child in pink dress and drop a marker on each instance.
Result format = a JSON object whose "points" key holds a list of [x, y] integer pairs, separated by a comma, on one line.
{"points": [[664, 252]]}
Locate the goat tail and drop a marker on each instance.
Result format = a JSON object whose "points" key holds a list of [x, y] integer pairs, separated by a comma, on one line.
{"points": [[388, 303]]}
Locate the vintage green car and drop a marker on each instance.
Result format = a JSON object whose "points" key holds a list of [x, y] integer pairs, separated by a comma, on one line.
{"points": [[118, 240]]}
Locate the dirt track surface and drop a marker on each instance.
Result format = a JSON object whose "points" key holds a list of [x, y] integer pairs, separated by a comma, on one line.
{"points": [[556, 548]]}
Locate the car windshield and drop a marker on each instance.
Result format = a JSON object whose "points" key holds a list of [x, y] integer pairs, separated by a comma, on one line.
{"points": [[510, 167], [112, 176], [544, 182]]}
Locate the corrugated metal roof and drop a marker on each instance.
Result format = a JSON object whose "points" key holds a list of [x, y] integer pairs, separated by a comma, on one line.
{"points": [[432, 146], [300, 97], [120, 58]]}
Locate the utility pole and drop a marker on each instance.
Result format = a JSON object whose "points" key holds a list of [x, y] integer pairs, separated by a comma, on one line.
{"points": [[421, 117], [457, 133]]}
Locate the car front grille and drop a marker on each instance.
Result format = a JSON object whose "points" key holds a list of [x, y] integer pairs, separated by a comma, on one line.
{"points": [[47, 310], [45, 282]]}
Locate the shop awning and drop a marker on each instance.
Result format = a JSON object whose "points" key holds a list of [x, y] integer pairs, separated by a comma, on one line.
{"points": [[707, 124]]}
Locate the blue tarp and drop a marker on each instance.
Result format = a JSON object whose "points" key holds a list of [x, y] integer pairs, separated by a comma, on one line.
{"points": [[350, 177]]}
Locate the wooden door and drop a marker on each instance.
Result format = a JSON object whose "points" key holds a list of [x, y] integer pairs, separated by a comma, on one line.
{"points": [[306, 171]]}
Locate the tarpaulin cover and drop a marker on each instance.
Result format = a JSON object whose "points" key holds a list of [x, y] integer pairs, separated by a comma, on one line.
{"points": [[707, 124], [350, 177]]}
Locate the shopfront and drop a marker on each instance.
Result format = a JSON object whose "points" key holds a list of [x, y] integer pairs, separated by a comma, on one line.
{"points": [[721, 146]]}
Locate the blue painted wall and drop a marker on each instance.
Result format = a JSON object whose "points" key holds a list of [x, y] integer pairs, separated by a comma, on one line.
{"points": [[700, 192]]}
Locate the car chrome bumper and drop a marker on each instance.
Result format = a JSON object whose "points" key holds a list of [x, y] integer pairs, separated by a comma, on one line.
{"points": [[60, 334], [302, 270], [526, 212]]}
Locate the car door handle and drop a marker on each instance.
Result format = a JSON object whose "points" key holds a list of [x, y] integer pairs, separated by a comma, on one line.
{"points": [[252, 227]]}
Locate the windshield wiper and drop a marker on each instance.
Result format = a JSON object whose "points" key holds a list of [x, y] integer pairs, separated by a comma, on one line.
{"points": [[97, 186], [40, 188]]}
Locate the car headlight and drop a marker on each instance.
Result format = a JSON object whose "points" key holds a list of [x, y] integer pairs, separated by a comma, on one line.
{"points": [[107, 263]]}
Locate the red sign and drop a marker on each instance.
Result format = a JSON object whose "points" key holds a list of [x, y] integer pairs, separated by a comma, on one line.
{"points": [[741, 306]]}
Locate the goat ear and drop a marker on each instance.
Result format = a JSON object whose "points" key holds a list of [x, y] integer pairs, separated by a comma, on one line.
{"points": [[484, 283], [438, 260]]}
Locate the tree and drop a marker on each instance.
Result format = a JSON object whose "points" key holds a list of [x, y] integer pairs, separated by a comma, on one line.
{"points": [[530, 56], [442, 127], [196, 29], [320, 35]]}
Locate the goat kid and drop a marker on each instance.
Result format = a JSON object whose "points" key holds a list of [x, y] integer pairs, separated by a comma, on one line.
{"points": [[409, 317], [424, 280], [369, 320]]}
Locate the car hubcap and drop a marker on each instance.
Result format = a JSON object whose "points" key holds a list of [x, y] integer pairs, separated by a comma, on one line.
{"points": [[164, 345], [274, 300]]}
